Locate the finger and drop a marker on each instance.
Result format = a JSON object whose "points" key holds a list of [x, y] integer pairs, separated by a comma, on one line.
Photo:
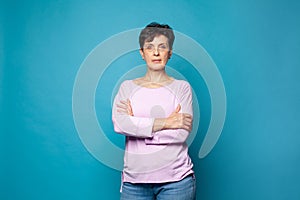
{"points": [[185, 115], [123, 102], [129, 111], [125, 111], [188, 128], [129, 107], [188, 120], [129, 104], [122, 106], [178, 108], [189, 124], [121, 111]]}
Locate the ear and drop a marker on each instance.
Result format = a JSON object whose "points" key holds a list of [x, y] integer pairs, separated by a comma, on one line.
{"points": [[142, 54], [170, 53]]}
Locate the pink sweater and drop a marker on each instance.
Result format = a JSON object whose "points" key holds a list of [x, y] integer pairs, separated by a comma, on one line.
{"points": [[153, 157]]}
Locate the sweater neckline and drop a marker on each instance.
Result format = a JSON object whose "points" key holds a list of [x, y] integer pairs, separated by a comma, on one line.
{"points": [[153, 88]]}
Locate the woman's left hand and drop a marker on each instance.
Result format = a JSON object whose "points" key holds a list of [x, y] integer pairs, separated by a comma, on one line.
{"points": [[125, 107]]}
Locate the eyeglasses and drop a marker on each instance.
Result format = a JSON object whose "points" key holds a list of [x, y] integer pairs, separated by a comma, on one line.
{"points": [[160, 48]]}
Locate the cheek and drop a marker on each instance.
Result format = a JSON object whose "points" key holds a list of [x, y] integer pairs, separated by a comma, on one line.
{"points": [[166, 57], [146, 56]]}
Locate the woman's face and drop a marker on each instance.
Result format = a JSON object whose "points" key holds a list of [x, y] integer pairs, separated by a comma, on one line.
{"points": [[156, 53]]}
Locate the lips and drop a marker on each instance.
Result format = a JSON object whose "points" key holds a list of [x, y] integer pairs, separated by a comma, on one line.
{"points": [[156, 60]]}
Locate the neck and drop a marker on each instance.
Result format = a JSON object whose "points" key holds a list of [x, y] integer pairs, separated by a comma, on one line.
{"points": [[156, 76]]}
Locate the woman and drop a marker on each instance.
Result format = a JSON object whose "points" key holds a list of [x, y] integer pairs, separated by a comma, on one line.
{"points": [[155, 112]]}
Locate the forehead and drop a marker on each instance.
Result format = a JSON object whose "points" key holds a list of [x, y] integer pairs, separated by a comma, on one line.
{"points": [[160, 39]]}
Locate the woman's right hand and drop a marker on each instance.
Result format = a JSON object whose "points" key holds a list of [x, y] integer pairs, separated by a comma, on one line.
{"points": [[125, 107]]}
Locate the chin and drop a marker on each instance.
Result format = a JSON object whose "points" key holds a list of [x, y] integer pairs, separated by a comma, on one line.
{"points": [[156, 68]]}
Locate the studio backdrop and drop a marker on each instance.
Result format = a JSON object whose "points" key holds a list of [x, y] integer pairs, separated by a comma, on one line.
{"points": [[62, 63]]}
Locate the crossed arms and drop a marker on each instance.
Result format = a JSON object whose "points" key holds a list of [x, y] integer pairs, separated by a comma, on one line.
{"points": [[173, 129]]}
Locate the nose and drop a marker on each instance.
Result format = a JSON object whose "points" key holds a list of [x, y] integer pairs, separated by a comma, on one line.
{"points": [[156, 52]]}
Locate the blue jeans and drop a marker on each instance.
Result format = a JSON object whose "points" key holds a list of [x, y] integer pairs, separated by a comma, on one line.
{"points": [[180, 190]]}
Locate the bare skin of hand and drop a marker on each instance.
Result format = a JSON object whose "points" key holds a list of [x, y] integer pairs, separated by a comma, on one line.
{"points": [[175, 121], [125, 107]]}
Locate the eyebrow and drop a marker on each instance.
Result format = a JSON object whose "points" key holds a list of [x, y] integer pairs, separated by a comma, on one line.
{"points": [[158, 44]]}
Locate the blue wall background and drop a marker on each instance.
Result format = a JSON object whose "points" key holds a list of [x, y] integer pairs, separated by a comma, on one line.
{"points": [[255, 45]]}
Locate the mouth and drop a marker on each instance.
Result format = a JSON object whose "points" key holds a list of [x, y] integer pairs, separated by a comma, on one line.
{"points": [[156, 60]]}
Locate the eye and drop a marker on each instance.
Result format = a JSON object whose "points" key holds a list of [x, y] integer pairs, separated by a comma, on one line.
{"points": [[149, 47], [163, 47]]}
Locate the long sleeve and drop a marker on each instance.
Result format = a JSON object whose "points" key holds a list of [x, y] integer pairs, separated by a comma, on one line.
{"points": [[173, 136], [140, 127], [145, 159]]}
